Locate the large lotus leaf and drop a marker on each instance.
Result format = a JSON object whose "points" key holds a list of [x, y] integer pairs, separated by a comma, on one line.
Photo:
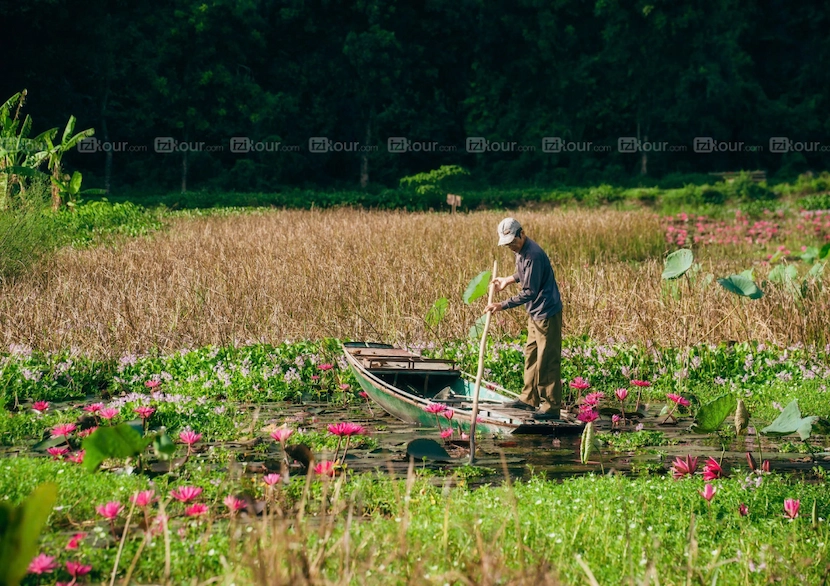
{"points": [[477, 329], [790, 421], [20, 532], [677, 263], [711, 416], [817, 270], [477, 287], [783, 274], [741, 285], [427, 449], [436, 312], [120, 441], [810, 254], [749, 274]]}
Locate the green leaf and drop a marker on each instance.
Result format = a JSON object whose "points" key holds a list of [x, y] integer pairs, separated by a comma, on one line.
{"points": [[741, 285], [677, 263], [749, 274], [790, 421], [711, 416], [120, 441], [587, 443], [810, 254], [824, 252], [817, 271], [20, 529], [477, 329], [783, 274], [477, 287], [436, 312], [423, 448], [75, 183], [164, 446]]}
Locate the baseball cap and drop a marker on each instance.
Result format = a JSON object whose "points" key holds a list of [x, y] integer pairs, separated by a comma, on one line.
{"points": [[508, 230]]}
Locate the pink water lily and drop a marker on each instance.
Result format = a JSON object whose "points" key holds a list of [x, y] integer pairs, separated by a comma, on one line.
{"points": [[712, 470], [185, 494], [791, 507], [640, 383], [621, 394], [63, 429], [42, 564], [110, 510], [708, 492], [152, 384], [684, 467], [743, 510], [594, 398], [40, 406], [57, 453], [94, 407], [235, 504], [678, 400], [588, 416], [143, 498], [615, 420], [145, 412], [108, 413], [76, 457], [447, 414], [364, 394], [189, 437], [324, 468], [75, 541], [281, 434], [325, 367], [435, 408], [446, 433], [271, 479], [345, 386], [579, 384], [196, 510], [77, 569], [88, 431]]}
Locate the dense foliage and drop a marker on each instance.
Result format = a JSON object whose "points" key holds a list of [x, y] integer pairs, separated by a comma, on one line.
{"points": [[507, 71]]}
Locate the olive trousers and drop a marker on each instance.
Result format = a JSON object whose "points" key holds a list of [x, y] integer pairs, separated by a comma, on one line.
{"points": [[543, 363]]}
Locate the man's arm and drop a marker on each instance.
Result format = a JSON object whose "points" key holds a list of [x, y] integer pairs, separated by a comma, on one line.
{"points": [[530, 289]]}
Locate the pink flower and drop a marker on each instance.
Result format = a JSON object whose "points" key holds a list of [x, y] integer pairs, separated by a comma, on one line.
{"points": [[75, 541], [615, 419], [579, 383], [196, 510], [765, 466], [186, 494], [621, 394], [57, 453], [345, 387], [271, 479], [448, 414], [588, 416], [42, 564], [678, 399], [40, 407], [235, 504], [464, 436], [325, 367], [152, 384], [108, 413], [594, 398], [684, 467], [94, 407], [144, 411], [143, 498], [708, 492], [76, 569], [791, 507], [77, 457], [640, 383], [446, 433], [189, 437], [281, 434], [315, 377], [364, 394], [743, 510], [324, 468], [435, 408], [346, 429], [639, 427], [88, 431], [712, 470], [63, 429], [110, 510]]}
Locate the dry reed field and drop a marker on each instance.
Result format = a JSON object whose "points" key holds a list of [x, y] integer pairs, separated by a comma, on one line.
{"points": [[276, 275]]}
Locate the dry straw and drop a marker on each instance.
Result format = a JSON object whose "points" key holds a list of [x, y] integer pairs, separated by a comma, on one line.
{"points": [[357, 274]]}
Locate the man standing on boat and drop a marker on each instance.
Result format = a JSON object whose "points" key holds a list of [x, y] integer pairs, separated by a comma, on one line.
{"points": [[539, 294]]}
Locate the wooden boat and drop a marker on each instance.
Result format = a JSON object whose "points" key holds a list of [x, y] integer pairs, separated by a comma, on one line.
{"points": [[404, 383]]}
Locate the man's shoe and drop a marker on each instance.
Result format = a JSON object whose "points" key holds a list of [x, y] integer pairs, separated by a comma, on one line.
{"points": [[552, 414], [520, 405]]}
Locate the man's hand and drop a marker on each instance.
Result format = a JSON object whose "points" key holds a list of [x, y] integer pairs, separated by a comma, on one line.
{"points": [[502, 282], [493, 308]]}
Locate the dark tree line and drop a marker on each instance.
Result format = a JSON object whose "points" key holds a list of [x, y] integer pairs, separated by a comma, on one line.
{"points": [[203, 71]]}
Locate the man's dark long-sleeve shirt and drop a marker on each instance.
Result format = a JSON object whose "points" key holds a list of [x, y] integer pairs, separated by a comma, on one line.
{"points": [[540, 293]]}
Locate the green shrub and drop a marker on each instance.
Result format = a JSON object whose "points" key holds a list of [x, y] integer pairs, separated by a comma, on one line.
{"points": [[816, 202], [745, 189], [712, 196], [26, 230]]}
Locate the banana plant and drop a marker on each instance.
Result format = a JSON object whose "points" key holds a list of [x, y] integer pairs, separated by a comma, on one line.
{"points": [[60, 193]]}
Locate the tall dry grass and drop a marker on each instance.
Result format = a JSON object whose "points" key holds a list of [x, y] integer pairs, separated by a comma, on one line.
{"points": [[373, 275]]}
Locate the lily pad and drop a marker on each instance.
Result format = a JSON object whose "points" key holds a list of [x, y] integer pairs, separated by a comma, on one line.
{"points": [[120, 441], [477, 287], [790, 421], [427, 449], [677, 263], [741, 285], [436, 312], [711, 416]]}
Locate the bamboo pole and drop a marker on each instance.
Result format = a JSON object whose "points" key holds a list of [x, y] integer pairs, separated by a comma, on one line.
{"points": [[480, 372]]}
